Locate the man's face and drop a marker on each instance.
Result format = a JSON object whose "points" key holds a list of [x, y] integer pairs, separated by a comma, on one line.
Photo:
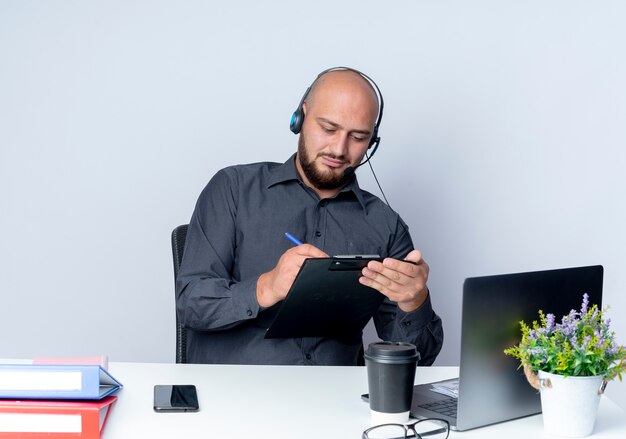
{"points": [[339, 119]]}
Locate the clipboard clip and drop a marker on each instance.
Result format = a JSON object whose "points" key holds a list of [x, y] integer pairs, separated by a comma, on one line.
{"points": [[350, 262]]}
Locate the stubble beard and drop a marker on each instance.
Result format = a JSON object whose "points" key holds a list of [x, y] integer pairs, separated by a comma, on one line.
{"points": [[317, 177]]}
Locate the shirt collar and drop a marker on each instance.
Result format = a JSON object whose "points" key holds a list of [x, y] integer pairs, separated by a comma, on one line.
{"points": [[285, 172], [288, 172]]}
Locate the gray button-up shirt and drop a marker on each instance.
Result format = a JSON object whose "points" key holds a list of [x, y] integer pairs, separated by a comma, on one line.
{"points": [[236, 234]]}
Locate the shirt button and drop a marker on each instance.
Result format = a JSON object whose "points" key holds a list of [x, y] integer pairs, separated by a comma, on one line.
{"points": [[407, 323], [322, 203], [318, 233], [249, 313], [308, 356]]}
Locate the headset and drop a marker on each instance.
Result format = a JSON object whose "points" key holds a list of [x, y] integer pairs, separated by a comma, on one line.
{"points": [[297, 119]]}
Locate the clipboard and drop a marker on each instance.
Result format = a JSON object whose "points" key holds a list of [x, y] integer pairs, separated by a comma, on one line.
{"points": [[327, 300]]}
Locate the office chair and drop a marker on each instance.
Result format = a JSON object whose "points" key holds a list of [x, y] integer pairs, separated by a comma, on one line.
{"points": [[179, 234]]}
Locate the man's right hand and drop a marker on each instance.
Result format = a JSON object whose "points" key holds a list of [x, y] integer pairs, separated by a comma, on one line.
{"points": [[273, 286]]}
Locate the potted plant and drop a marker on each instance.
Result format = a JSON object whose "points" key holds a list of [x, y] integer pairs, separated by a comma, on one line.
{"points": [[570, 363]]}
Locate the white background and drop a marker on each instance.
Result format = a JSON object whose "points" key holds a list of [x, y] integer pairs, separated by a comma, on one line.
{"points": [[502, 145]]}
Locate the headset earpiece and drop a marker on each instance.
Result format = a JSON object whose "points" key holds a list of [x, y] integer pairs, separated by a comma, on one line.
{"points": [[374, 140], [297, 118], [296, 121], [375, 144]]}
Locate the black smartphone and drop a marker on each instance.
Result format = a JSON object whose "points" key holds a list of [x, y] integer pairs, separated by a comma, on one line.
{"points": [[175, 398]]}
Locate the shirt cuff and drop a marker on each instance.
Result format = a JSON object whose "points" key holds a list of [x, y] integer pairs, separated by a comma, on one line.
{"points": [[244, 297], [414, 321]]}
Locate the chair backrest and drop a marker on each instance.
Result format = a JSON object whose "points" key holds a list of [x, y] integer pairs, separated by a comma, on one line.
{"points": [[179, 235]]}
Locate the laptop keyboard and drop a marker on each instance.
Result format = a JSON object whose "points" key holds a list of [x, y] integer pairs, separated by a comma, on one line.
{"points": [[445, 407]]}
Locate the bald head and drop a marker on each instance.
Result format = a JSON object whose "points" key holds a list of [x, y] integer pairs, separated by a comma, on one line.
{"points": [[347, 89]]}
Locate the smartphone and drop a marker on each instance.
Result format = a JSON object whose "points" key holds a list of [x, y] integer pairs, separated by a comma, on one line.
{"points": [[176, 398]]}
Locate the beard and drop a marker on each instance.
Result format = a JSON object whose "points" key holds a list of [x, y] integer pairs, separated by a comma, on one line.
{"points": [[323, 180]]}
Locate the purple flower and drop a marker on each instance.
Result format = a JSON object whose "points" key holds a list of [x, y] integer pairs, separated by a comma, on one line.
{"points": [[568, 325], [600, 338], [569, 319], [584, 307], [549, 322]]}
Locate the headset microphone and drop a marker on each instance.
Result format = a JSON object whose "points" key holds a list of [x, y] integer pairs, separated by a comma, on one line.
{"points": [[350, 170]]}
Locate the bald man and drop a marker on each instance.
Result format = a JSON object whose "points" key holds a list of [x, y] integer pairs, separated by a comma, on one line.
{"points": [[237, 267]]}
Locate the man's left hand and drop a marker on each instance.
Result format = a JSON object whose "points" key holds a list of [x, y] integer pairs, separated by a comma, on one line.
{"points": [[402, 282]]}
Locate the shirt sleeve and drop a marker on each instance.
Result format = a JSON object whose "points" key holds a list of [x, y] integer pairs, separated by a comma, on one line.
{"points": [[422, 327], [207, 295]]}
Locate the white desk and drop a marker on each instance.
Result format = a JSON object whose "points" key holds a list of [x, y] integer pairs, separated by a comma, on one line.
{"points": [[283, 402]]}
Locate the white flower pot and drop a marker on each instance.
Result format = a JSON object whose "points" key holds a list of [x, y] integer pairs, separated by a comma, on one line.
{"points": [[570, 404]]}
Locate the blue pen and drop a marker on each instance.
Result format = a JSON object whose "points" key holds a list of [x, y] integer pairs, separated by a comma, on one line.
{"points": [[292, 238]]}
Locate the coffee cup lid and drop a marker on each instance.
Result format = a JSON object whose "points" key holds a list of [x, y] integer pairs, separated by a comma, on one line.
{"points": [[392, 352]]}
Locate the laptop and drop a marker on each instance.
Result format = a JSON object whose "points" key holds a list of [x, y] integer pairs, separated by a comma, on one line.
{"points": [[491, 387]]}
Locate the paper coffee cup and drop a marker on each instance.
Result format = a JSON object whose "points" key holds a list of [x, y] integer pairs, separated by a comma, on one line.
{"points": [[390, 377]]}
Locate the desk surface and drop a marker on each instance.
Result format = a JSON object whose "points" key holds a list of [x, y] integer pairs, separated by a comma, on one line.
{"points": [[283, 402]]}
